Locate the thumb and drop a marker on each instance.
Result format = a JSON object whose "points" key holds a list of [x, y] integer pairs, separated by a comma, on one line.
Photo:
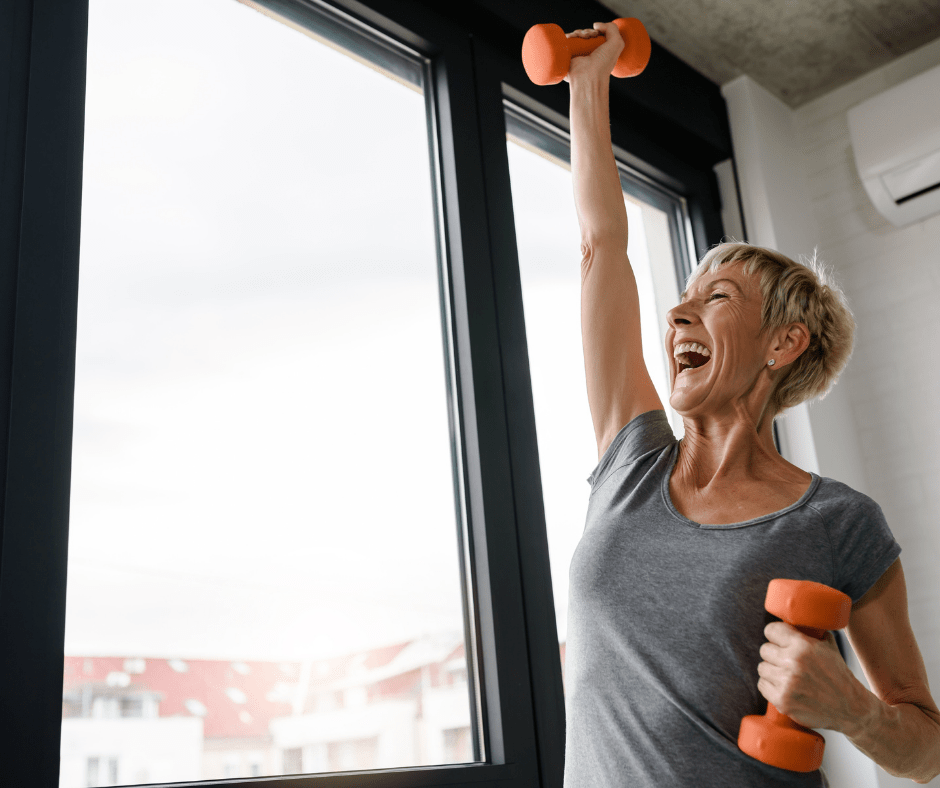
{"points": [[609, 30]]}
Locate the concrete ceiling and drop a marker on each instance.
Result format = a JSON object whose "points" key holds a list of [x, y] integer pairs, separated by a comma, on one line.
{"points": [[796, 49]]}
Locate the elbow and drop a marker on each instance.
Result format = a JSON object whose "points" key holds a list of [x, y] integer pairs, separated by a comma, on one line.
{"points": [[611, 239], [920, 776], [931, 770], [587, 258]]}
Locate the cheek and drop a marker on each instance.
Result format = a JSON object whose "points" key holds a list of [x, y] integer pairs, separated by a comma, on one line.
{"points": [[738, 333]]}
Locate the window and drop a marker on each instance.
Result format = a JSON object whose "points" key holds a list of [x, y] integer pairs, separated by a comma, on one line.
{"points": [[293, 761], [468, 678], [132, 707], [353, 754], [456, 744], [262, 464], [101, 771]]}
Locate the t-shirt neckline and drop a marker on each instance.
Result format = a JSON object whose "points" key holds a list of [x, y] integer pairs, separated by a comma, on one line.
{"points": [[667, 499]]}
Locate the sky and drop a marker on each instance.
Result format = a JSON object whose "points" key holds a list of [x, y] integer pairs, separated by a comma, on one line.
{"points": [[261, 458]]}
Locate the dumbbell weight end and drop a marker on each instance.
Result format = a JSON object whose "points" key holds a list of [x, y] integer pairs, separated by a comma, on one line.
{"points": [[775, 739]]}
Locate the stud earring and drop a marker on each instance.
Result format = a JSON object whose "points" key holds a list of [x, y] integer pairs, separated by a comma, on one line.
{"points": [[771, 362]]}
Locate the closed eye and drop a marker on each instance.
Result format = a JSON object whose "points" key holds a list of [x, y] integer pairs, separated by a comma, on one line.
{"points": [[717, 294]]}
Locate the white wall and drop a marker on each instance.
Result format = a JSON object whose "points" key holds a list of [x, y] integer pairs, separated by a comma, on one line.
{"points": [[879, 429], [164, 749]]}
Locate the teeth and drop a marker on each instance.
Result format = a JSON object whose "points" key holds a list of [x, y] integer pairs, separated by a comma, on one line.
{"points": [[680, 350], [695, 347]]}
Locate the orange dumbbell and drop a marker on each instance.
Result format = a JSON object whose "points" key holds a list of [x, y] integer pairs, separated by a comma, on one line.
{"points": [[775, 739], [547, 53]]}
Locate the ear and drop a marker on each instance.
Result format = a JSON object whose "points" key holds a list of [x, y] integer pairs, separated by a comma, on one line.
{"points": [[792, 340]]}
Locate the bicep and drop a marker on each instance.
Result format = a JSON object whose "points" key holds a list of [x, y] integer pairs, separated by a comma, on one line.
{"points": [[619, 386], [880, 632]]}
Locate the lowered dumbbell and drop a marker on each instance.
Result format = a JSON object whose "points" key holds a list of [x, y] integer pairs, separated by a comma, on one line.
{"points": [[547, 53], [773, 738]]}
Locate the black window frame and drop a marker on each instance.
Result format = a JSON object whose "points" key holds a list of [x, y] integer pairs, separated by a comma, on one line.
{"points": [[670, 125]]}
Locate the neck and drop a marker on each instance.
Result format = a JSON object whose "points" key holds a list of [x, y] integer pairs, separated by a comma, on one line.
{"points": [[728, 450]]}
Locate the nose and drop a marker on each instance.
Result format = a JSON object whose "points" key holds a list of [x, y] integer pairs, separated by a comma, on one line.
{"points": [[681, 314]]}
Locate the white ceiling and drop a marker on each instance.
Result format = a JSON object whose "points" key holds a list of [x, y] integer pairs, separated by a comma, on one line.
{"points": [[796, 49]]}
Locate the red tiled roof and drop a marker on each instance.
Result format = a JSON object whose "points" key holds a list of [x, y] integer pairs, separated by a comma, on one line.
{"points": [[207, 681]]}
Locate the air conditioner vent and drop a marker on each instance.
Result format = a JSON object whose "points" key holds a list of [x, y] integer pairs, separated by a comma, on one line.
{"points": [[912, 180], [915, 195], [896, 143]]}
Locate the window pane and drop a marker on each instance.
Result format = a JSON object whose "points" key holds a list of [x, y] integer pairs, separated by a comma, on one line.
{"points": [[264, 571], [549, 243]]}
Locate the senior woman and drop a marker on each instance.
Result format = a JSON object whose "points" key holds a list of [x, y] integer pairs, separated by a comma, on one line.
{"points": [[669, 645]]}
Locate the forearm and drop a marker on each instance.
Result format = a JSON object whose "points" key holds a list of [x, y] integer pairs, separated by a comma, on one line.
{"points": [[598, 196], [902, 739]]}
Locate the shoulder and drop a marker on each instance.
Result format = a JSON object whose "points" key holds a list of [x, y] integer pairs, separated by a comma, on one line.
{"points": [[644, 436], [834, 498], [862, 543]]}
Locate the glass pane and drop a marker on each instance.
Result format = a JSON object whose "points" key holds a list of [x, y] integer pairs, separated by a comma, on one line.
{"points": [[264, 564], [549, 244]]}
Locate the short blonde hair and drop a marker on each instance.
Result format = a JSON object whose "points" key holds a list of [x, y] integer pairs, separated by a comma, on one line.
{"points": [[792, 292]]}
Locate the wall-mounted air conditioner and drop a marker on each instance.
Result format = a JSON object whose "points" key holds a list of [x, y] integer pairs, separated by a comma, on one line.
{"points": [[896, 140]]}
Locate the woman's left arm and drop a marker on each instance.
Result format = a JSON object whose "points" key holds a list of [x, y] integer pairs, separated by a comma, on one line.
{"points": [[899, 728], [898, 724]]}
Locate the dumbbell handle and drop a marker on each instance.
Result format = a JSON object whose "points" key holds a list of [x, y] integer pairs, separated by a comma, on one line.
{"points": [[774, 715], [819, 634], [579, 47]]}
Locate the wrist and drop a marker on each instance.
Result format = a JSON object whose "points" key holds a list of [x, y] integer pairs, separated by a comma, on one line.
{"points": [[864, 708], [589, 82]]}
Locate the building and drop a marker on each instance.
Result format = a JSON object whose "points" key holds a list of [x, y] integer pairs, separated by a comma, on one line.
{"points": [[132, 719]]}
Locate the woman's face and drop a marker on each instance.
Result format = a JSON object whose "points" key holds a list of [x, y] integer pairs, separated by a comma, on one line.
{"points": [[721, 311]]}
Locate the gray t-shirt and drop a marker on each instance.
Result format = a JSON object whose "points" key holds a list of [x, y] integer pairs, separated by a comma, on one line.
{"points": [[666, 618]]}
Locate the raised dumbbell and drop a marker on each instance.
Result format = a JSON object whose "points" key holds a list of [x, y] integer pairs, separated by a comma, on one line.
{"points": [[547, 53], [773, 738]]}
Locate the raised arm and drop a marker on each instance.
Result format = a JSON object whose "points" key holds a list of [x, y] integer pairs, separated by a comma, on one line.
{"points": [[618, 384]]}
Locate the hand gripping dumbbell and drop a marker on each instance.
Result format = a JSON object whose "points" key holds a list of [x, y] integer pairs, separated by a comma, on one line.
{"points": [[775, 739], [547, 53]]}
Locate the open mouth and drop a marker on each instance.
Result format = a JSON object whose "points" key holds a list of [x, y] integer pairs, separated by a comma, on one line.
{"points": [[690, 361]]}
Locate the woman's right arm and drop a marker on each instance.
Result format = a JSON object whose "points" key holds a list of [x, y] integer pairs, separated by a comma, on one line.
{"points": [[618, 384]]}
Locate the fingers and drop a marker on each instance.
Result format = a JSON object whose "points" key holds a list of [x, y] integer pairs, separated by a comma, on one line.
{"points": [[583, 33], [781, 633], [770, 674], [771, 653]]}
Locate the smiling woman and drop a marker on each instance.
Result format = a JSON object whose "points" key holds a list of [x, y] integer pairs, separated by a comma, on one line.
{"points": [[666, 631]]}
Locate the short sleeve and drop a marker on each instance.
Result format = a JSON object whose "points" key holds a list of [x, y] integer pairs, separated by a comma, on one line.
{"points": [[647, 432], [863, 545]]}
